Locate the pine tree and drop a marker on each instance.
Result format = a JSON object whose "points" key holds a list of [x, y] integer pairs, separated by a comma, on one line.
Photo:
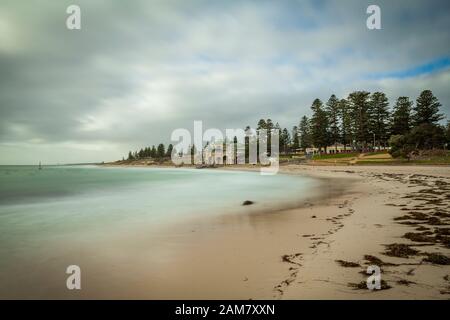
{"points": [[270, 127], [427, 136], [269, 124], [193, 153], [248, 134], [261, 124], [305, 133], [160, 152], [319, 125], [379, 118], [332, 110], [278, 129], [426, 110], [235, 148], [153, 152], [401, 116], [169, 150], [295, 140], [285, 140], [346, 123], [359, 104], [130, 156]]}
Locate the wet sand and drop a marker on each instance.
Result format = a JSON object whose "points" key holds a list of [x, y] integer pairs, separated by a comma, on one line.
{"points": [[318, 250], [294, 253], [299, 253], [384, 210]]}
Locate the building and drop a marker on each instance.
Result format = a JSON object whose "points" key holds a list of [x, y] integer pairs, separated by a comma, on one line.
{"points": [[339, 148]]}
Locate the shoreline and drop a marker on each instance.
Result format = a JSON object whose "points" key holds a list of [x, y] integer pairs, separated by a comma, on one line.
{"points": [[302, 252], [302, 245], [376, 227], [316, 248], [204, 245]]}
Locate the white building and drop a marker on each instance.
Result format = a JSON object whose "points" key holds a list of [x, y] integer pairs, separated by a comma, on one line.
{"points": [[339, 148]]}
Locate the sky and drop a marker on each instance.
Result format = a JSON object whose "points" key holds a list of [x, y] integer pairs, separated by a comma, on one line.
{"points": [[137, 70]]}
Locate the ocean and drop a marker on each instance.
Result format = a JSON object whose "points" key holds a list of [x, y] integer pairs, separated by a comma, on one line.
{"points": [[47, 214]]}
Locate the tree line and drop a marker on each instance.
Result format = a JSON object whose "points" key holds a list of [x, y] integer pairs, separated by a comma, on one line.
{"points": [[361, 121], [364, 121], [153, 152]]}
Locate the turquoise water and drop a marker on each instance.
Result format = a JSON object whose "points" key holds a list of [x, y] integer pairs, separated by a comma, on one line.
{"points": [[85, 196], [62, 205]]}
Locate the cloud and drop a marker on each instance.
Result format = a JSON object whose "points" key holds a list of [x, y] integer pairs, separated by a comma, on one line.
{"points": [[433, 66], [138, 70]]}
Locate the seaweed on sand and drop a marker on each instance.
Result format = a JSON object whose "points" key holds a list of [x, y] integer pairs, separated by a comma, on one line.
{"points": [[442, 231], [437, 258], [418, 237], [289, 258], [405, 282], [348, 264], [410, 222], [363, 285], [418, 215], [376, 261], [400, 250], [404, 217], [435, 221], [445, 240], [442, 214]]}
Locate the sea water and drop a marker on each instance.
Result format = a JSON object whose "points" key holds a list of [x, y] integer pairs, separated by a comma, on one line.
{"points": [[55, 207]]}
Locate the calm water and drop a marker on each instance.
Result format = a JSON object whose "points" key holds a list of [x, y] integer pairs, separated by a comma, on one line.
{"points": [[58, 206]]}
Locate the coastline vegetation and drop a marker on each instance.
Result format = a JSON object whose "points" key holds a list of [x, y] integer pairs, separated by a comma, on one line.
{"points": [[361, 128]]}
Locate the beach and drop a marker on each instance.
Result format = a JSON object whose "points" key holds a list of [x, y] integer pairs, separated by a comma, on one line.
{"points": [[318, 248], [301, 253], [371, 217]]}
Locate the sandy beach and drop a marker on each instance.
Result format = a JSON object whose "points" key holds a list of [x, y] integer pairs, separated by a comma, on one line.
{"points": [[393, 217], [299, 253], [381, 207]]}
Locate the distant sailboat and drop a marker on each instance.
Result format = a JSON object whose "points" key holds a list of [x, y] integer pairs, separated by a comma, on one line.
{"points": [[40, 166]]}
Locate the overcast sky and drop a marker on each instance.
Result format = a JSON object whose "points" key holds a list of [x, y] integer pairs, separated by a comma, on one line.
{"points": [[137, 70]]}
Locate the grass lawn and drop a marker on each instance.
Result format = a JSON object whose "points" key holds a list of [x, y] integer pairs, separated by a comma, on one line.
{"points": [[379, 158], [335, 156], [433, 160], [376, 153]]}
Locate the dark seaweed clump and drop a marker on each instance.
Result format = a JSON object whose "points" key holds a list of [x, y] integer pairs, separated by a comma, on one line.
{"points": [[400, 250], [363, 285], [405, 282], [437, 258], [419, 237], [376, 261], [348, 264]]}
